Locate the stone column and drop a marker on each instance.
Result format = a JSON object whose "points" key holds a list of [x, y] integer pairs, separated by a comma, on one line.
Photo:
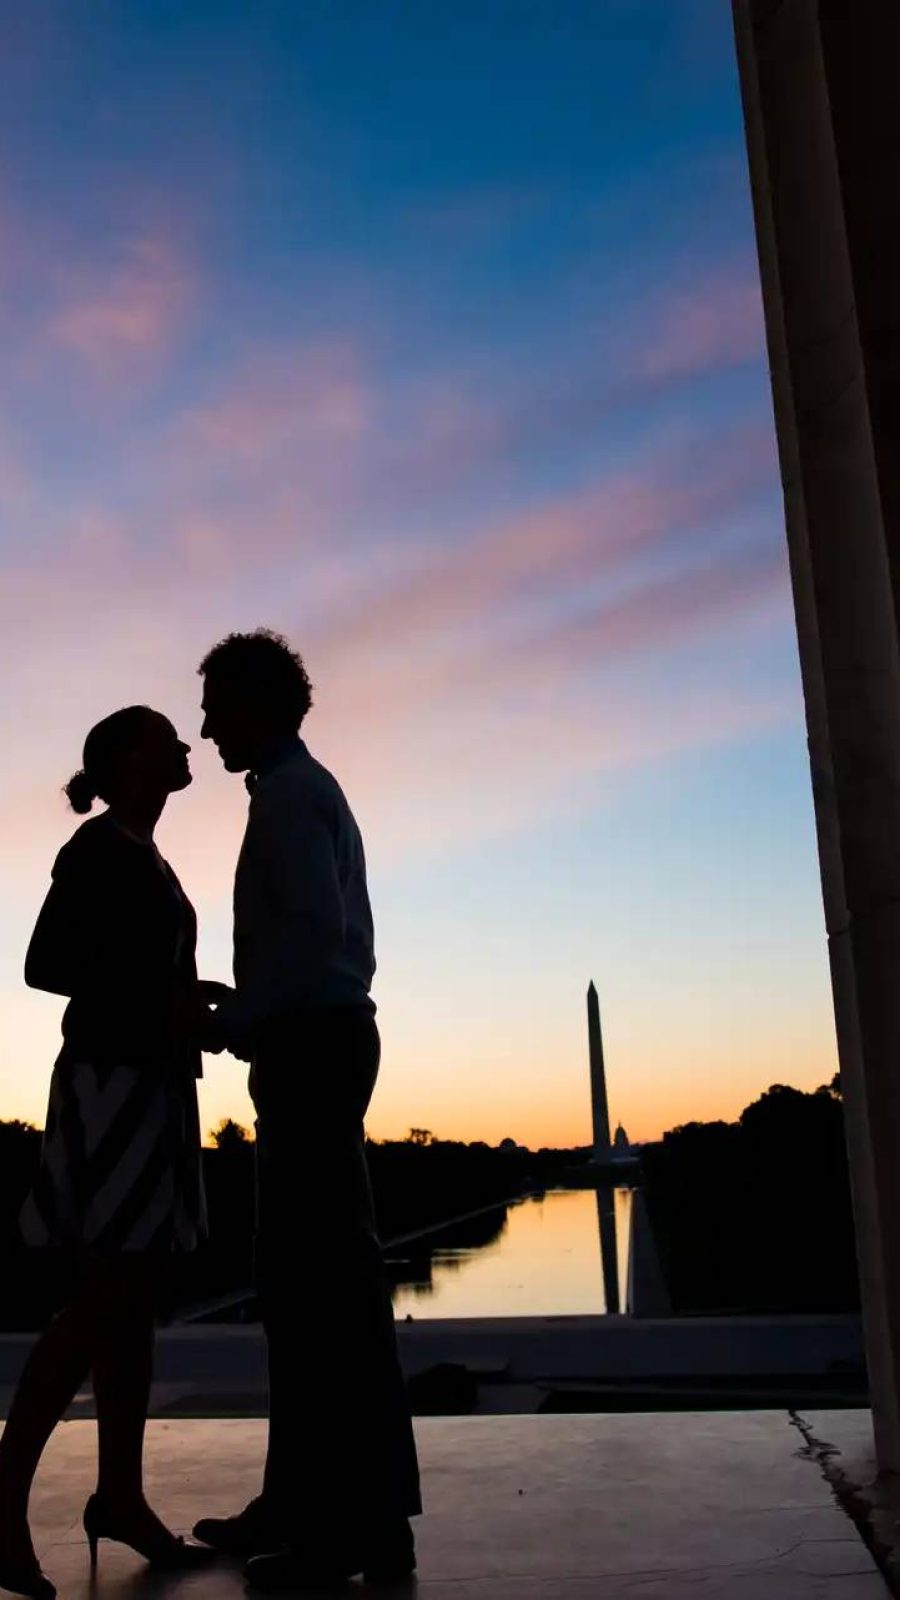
{"points": [[819, 85]]}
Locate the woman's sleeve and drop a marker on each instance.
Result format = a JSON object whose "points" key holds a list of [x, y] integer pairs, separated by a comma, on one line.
{"points": [[93, 941], [60, 951]]}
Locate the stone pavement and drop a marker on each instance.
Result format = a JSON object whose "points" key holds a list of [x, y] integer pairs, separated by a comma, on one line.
{"points": [[727, 1506]]}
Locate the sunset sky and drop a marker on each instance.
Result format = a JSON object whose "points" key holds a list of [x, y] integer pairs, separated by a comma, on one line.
{"points": [[429, 334]]}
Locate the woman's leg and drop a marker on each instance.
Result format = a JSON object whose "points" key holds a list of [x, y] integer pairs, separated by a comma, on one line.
{"points": [[57, 1366], [122, 1370], [106, 1330]]}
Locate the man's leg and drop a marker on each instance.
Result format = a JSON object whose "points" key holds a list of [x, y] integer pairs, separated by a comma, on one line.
{"points": [[341, 1446], [263, 1525], [342, 1462]]}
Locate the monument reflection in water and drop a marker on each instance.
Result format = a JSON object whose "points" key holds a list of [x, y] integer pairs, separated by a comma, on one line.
{"points": [[545, 1260], [566, 1253]]}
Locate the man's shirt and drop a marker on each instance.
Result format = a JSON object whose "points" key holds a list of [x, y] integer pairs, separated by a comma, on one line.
{"points": [[303, 934]]}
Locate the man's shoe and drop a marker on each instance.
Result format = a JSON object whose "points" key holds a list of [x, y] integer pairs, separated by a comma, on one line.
{"points": [[299, 1572], [252, 1532], [390, 1554], [385, 1556]]}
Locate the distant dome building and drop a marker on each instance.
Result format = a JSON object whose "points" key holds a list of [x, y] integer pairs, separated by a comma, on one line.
{"points": [[621, 1150]]}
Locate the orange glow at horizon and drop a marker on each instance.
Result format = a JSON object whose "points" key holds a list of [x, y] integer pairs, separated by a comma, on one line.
{"points": [[537, 1098]]}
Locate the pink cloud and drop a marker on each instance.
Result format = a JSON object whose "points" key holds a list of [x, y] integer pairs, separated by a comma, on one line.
{"points": [[439, 662], [16, 485], [475, 422], [442, 435], [125, 310], [717, 322], [312, 430], [561, 544], [661, 613], [311, 433], [478, 599], [434, 714], [441, 778], [304, 398], [527, 675], [267, 461]]}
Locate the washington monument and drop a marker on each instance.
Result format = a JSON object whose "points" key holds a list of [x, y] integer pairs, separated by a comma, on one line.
{"points": [[599, 1105]]}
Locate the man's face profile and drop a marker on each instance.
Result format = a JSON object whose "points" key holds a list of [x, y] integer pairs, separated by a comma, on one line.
{"points": [[228, 720]]}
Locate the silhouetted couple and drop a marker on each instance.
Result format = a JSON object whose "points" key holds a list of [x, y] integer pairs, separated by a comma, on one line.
{"points": [[120, 1186]]}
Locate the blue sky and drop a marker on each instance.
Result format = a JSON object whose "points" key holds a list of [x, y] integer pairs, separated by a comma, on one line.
{"points": [[430, 335]]}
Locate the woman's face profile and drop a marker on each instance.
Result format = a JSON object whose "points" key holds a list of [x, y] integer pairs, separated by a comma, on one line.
{"points": [[159, 760]]}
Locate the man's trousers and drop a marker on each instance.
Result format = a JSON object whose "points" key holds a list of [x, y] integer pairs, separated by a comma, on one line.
{"points": [[341, 1454]]}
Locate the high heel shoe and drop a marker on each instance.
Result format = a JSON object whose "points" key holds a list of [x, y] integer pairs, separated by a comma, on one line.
{"points": [[26, 1579], [168, 1554]]}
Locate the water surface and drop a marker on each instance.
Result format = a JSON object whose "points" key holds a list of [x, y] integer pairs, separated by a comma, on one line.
{"points": [[545, 1261]]}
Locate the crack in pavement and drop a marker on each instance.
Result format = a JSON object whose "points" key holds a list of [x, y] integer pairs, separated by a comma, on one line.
{"points": [[822, 1453]]}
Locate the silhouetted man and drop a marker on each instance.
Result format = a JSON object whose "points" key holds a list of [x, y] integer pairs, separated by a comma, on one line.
{"points": [[341, 1478]]}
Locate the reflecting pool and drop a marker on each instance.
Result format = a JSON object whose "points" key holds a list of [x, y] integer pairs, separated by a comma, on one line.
{"points": [[539, 1257]]}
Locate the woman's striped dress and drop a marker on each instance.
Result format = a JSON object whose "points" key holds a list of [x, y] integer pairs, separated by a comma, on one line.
{"points": [[120, 1160]]}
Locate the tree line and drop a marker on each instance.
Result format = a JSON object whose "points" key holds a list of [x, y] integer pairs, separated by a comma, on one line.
{"points": [[752, 1215]]}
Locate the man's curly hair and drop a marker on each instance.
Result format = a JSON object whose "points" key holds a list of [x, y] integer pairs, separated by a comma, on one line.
{"points": [[261, 666]]}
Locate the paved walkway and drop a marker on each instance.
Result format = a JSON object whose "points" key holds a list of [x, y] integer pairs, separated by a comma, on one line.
{"points": [[727, 1506]]}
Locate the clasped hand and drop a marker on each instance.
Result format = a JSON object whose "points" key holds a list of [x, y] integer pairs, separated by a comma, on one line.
{"points": [[210, 995], [195, 1013]]}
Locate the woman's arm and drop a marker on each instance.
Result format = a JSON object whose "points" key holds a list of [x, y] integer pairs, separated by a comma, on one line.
{"points": [[100, 939], [59, 951], [97, 931]]}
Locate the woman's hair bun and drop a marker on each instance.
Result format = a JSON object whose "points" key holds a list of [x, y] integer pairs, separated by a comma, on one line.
{"points": [[80, 792]]}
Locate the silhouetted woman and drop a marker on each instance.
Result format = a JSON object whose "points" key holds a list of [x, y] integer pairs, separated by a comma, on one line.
{"points": [[119, 1183]]}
